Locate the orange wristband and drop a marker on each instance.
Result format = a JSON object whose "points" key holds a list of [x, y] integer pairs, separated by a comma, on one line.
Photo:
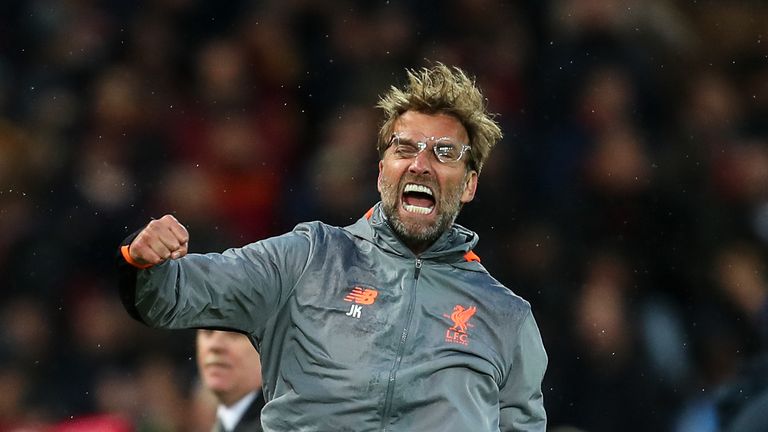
{"points": [[124, 250]]}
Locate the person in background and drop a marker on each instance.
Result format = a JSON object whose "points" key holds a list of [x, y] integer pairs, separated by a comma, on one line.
{"points": [[230, 367]]}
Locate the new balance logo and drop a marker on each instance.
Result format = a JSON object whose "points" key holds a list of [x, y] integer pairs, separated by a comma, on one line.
{"points": [[359, 297], [363, 296]]}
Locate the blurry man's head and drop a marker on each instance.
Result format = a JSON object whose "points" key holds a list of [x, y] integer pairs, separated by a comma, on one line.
{"points": [[228, 363]]}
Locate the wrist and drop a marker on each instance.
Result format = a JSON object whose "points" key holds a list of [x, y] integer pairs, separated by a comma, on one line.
{"points": [[125, 250]]}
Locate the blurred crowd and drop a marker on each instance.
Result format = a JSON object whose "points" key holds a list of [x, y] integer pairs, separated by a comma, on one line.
{"points": [[628, 201]]}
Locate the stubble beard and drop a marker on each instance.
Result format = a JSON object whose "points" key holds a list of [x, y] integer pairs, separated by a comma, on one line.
{"points": [[416, 236]]}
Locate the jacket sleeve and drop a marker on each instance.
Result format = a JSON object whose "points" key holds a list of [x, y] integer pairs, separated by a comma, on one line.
{"points": [[521, 402], [238, 290], [126, 279]]}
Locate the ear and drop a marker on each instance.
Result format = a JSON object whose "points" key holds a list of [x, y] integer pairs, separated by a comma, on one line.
{"points": [[378, 180], [469, 187]]}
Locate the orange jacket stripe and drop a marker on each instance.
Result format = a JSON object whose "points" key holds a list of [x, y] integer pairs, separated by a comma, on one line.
{"points": [[368, 214], [471, 256], [127, 257]]}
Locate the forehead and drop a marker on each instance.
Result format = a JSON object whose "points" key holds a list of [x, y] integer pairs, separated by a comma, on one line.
{"points": [[223, 337], [431, 125]]}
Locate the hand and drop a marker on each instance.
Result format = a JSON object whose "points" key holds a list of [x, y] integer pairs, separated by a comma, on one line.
{"points": [[160, 240]]}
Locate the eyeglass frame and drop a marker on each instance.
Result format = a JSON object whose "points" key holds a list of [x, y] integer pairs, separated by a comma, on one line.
{"points": [[424, 143]]}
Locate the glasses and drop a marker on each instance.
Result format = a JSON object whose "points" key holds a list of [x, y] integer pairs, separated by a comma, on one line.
{"points": [[408, 146]]}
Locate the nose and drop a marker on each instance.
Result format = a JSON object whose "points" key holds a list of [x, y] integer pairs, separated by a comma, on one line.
{"points": [[422, 163]]}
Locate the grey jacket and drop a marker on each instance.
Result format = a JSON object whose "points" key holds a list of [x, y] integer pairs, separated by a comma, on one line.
{"points": [[356, 333]]}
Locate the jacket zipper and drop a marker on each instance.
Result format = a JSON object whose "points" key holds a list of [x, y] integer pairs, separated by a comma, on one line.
{"points": [[400, 349]]}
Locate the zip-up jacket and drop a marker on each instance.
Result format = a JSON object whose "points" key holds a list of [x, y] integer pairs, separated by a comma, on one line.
{"points": [[356, 333]]}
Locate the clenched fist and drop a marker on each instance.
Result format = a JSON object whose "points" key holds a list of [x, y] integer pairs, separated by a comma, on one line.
{"points": [[160, 240]]}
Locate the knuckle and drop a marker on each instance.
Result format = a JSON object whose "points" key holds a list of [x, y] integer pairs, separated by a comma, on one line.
{"points": [[138, 243]]}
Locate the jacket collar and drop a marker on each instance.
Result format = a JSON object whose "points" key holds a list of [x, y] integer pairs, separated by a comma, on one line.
{"points": [[450, 247]]}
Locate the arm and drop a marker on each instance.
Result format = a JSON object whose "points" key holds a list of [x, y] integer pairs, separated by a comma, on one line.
{"points": [[520, 401], [237, 290]]}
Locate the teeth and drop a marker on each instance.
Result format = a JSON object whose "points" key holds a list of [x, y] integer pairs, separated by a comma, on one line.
{"points": [[417, 209], [411, 187]]}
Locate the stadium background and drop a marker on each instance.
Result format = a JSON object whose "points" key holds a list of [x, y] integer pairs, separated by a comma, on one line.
{"points": [[628, 201]]}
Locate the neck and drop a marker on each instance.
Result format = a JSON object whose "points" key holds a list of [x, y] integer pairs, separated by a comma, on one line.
{"points": [[230, 399], [416, 246]]}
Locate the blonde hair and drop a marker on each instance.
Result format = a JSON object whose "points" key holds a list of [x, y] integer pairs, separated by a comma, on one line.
{"points": [[441, 89]]}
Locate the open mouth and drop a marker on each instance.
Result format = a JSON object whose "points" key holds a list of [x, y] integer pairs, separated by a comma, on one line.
{"points": [[418, 199]]}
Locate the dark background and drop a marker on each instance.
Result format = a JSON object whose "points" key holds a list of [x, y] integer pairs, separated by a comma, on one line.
{"points": [[628, 201]]}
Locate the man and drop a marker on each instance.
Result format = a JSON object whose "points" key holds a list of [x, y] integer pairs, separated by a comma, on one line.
{"points": [[390, 324], [231, 368]]}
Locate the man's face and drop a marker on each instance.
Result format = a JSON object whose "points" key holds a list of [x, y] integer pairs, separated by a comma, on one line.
{"points": [[419, 216], [228, 364]]}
